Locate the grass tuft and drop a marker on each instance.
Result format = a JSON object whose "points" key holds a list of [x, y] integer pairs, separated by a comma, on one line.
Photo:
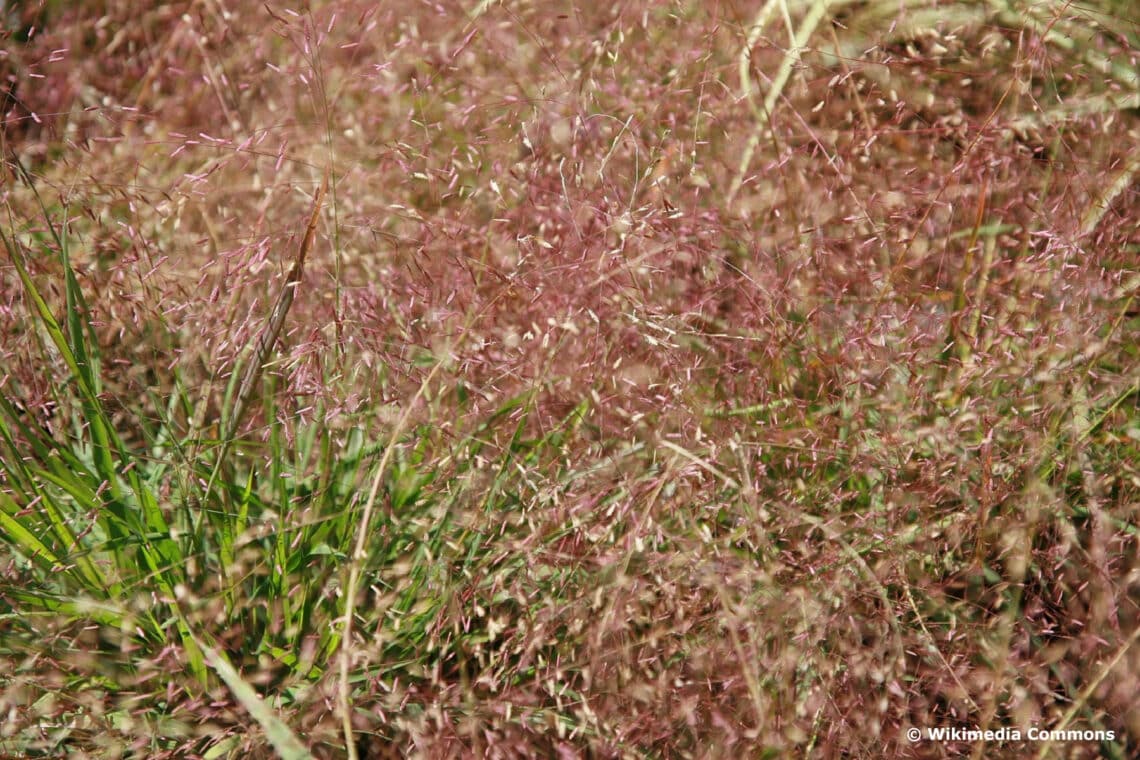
{"points": [[670, 379]]}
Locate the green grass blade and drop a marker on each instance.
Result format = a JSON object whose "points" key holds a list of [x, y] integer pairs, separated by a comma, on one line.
{"points": [[288, 746], [17, 533]]}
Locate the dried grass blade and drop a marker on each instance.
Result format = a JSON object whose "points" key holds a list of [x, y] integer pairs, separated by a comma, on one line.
{"points": [[256, 365]]}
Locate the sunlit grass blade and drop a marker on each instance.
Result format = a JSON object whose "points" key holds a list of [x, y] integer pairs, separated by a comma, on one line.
{"points": [[288, 746]]}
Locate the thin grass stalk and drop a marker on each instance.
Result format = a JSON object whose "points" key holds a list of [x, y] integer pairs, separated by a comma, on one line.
{"points": [[359, 556], [799, 39]]}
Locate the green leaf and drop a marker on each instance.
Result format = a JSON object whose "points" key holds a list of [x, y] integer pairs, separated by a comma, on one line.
{"points": [[286, 743]]}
